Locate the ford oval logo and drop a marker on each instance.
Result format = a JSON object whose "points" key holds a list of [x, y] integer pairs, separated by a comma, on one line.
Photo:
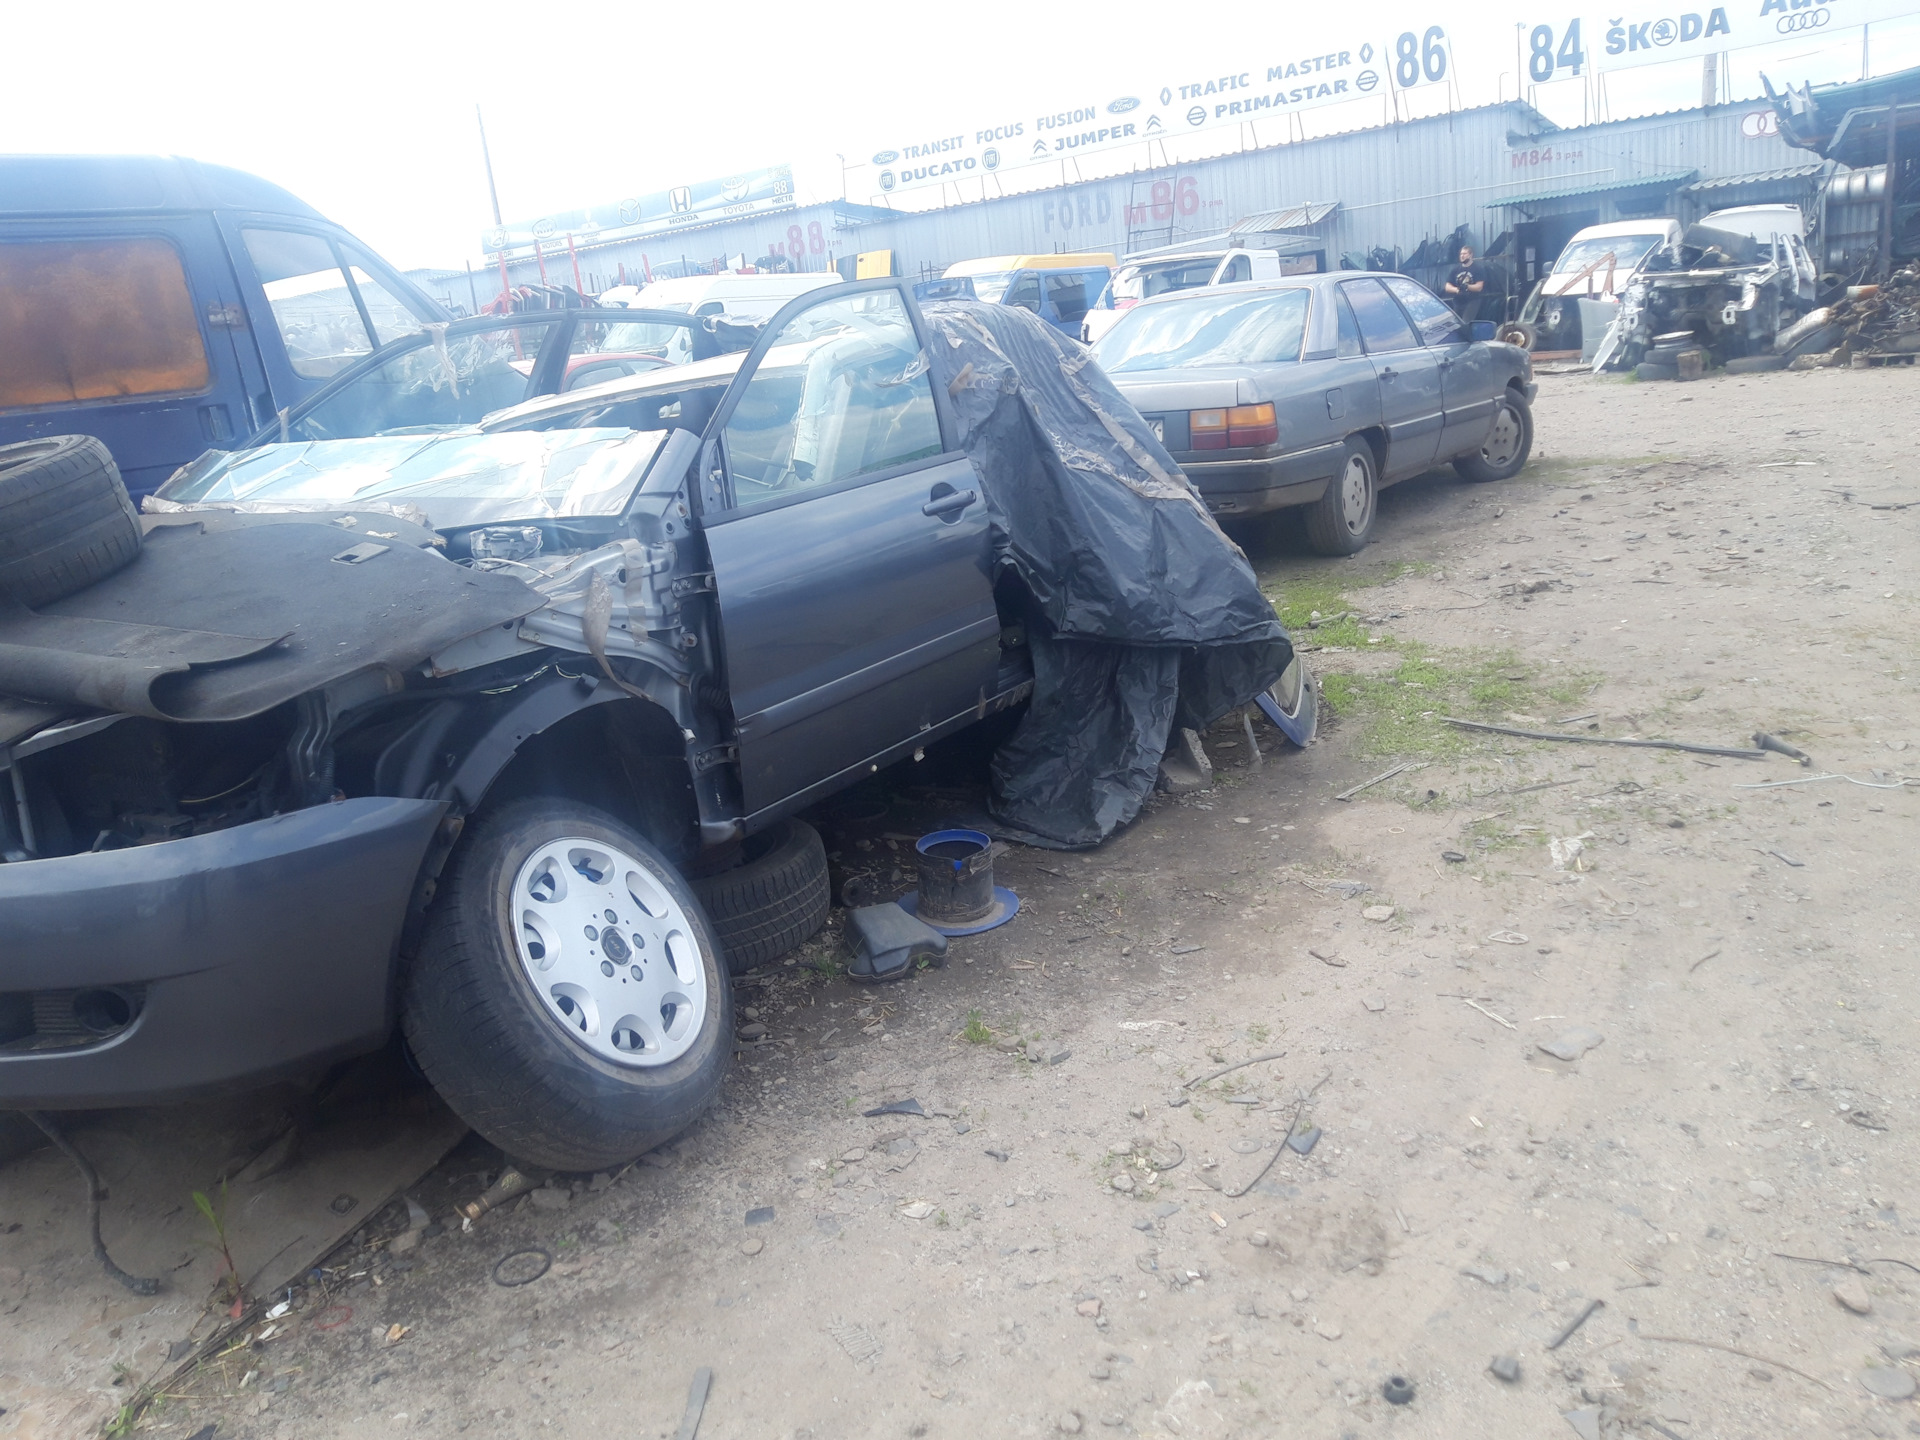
{"points": [[1122, 105], [886, 157]]}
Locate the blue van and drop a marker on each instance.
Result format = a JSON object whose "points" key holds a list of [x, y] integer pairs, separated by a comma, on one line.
{"points": [[167, 307], [1060, 289]]}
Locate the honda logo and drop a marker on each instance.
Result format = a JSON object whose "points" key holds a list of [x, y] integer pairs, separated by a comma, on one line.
{"points": [[681, 199]]}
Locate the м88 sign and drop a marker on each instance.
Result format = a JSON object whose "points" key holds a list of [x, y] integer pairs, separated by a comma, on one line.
{"points": [[811, 241]]}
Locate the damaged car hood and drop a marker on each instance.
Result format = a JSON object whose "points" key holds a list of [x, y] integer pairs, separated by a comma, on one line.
{"points": [[223, 616]]}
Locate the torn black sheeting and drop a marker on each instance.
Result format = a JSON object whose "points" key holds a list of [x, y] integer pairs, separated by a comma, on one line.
{"points": [[1145, 616], [220, 622]]}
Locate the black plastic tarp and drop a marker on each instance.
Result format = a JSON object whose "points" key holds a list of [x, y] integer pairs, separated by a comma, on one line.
{"points": [[1145, 617]]}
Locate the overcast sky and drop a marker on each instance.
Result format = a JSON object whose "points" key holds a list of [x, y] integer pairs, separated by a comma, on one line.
{"points": [[366, 111]]}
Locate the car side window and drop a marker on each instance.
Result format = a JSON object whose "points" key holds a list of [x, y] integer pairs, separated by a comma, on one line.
{"points": [[1349, 339], [1438, 325], [1026, 293], [1382, 325], [1238, 268], [1067, 289], [97, 319], [324, 311], [844, 392]]}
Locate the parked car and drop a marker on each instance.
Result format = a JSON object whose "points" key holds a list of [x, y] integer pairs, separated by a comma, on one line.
{"points": [[1597, 265], [1316, 391], [164, 306], [1060, 289], [1161, 274], [499, 729]]}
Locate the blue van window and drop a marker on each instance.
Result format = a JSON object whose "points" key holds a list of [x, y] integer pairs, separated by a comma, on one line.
{"points": [[1026, 293], [326, 319], [1067, 293], [90, 320]]}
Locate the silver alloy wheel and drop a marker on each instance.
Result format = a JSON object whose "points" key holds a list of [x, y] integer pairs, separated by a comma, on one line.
{"points": [[1356, 496], [1503, 440], [611, 954]]}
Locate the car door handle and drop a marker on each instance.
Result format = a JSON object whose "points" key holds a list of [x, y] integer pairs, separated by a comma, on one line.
{"points": [[952, 503], [1388, 373]]}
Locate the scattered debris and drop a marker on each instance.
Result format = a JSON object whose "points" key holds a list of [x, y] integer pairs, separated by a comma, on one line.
{"points": [[1237, 1065], [511, 1183], [1574, 1324], [1398, 1390], [1607, 740], [1888, 1382], [1853, 1295], [1507, 937], [1329, 957], [1566, 850], [1733, 1350], [1486, 1275], [1585, 1421], [696, 1404], [1702, 960], [918, 1210], [1379, 914], [1453, 857], [1400, 769], [752, 1245], [760, 1215], [1498, 1019], [1572, 1044], [1780, 747], [1506, 1368], [1785, 859], [896, 1107], [521, 1267], [859, 1343]]}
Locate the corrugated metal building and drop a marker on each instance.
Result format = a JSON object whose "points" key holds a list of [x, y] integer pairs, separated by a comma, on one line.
{"points": [[1486, 171]]}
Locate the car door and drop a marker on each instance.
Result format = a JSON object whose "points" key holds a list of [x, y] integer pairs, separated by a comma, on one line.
{"points": [[1407, 375], [851, 553], [129, 330], [1470, 382]]}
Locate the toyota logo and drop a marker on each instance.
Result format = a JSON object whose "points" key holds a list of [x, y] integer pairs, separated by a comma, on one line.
{"points": [[1804, 20]]}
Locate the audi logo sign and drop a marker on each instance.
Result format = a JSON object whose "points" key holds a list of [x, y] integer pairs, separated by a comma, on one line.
{"points": [[1803, 20], [1759, 124]]}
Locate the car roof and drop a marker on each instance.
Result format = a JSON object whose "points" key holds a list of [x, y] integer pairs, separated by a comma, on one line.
{"points": [[1655, 225], [718, 370], [992, 264], [1318, 281], [69, 184]]}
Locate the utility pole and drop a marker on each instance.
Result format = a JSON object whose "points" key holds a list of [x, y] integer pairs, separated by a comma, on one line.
{"points": [[493, 193]]}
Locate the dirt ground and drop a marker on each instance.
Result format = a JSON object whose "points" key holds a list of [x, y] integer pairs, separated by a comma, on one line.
{"points": [[1083, 1231]]}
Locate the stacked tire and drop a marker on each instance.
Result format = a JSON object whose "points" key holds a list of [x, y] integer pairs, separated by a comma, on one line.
{"points": [[774, 901], [65, 518]]}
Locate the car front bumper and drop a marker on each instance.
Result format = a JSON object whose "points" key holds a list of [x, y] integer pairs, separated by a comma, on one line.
{"points": [[159, 972]]}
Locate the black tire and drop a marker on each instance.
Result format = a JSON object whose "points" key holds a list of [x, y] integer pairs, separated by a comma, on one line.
{"points": [[775, 900], [495, 1050], [1503, 454], [65, 518], [1518, 332], [1651, 370], [1340, 522], [1755, 364]]}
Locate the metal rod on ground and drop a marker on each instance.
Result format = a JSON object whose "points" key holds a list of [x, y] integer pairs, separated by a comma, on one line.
{"points": [[1603, 740], [1399, 769], [1574, 1324], [96, 1193], [1237, 1065], [696, 1404], [1281, 1148]]}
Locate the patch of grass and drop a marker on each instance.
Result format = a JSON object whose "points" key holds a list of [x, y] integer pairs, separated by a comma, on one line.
{"points": [[1399, 711], [976, 1031], [1323, 588], [1258, 1034]]}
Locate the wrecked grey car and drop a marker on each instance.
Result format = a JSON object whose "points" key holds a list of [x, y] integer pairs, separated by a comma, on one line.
{"points": [[494, 731]]}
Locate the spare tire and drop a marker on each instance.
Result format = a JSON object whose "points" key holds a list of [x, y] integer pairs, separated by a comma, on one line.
{"points": [[773, 901], [1652, 370], [65, 518], [1755, 364]]}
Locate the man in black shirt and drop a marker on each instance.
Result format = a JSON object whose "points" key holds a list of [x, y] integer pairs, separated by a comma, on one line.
{"points": [[1466, 285]]}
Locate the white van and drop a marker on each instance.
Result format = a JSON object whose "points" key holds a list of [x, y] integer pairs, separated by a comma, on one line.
{"points": [[745, 297], [1596, 266]]}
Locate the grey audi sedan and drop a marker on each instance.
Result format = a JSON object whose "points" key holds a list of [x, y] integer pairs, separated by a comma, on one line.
{"points": [[1317, 390]]}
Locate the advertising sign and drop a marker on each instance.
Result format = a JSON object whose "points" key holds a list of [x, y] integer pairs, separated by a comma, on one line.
{"points": [[1560, 48], [1273, 85], [755, 193]]}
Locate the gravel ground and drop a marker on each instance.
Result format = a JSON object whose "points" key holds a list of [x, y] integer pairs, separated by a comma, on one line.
{"points": [[1085, 1233]]}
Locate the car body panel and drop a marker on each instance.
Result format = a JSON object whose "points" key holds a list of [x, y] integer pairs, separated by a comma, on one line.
{"points": [[258, 950]]}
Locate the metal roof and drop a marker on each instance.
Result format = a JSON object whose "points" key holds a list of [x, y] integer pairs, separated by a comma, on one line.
{"points": [[1604, 187], [1295, 217], [1757, 177]]}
